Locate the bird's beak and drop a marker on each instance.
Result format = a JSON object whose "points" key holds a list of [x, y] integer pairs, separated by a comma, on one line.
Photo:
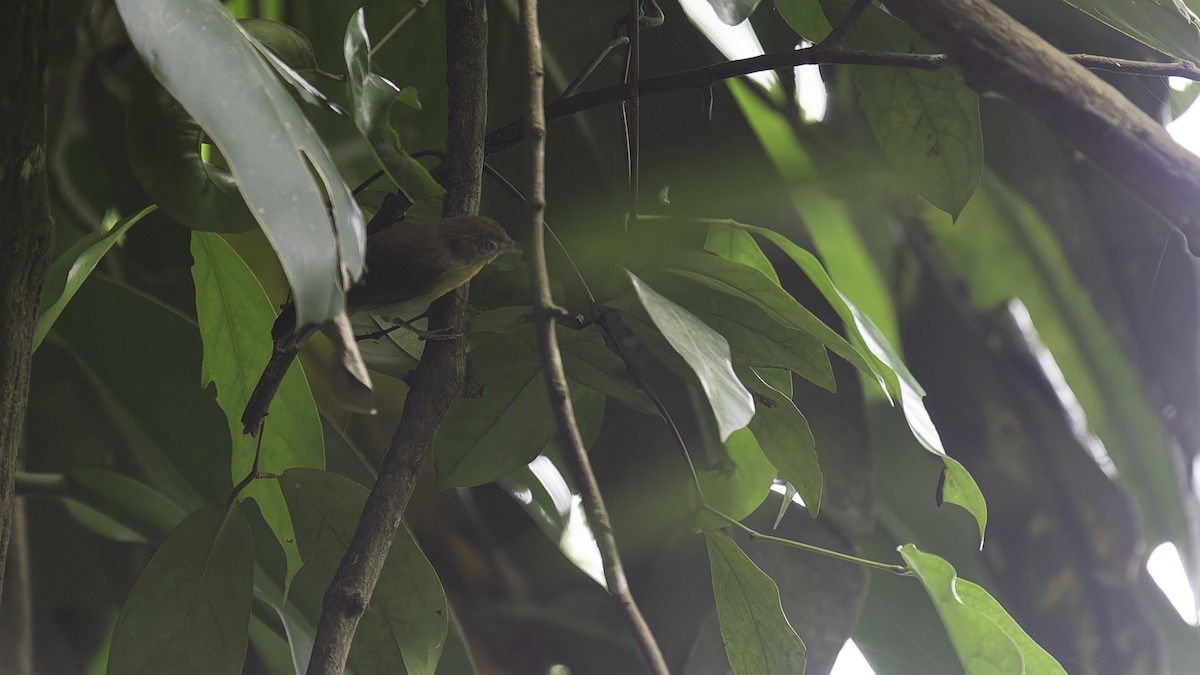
{"points": [[512, 245]]}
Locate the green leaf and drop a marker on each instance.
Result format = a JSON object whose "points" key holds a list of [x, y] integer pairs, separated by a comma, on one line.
{"points": [[373, 98], [101, 524], [397, 353], [747, 283], [889, 370], [595, 365], [485, 438], [739, 484], [290, 53], [785, 438], [283, 170], [235, 323], [927, 122], [758, 638], [289, 44], [705, 352], [404, 628], [189, 610], [987, 639], [72, 268], [132, 503], [755, 339], [805, 17], [1168, 26], [739, 246], [827, 218]]}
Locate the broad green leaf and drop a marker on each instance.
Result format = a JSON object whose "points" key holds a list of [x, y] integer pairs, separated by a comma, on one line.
{"points": [[889, 370], [1037, 660], [283, 170], [734, 12], [190, 608], [927, 122], [739, 246], [486, 438], [72, 268], [755, 339], [289, 44], [1001, 249], [805, 17], [1166, 25], [271, 648], [758, 639], [404, 628], [826, 218], [705, 352], [101, 524], [299, 626], [586, 358], [235, 323], [984, 635], [373, 96], [785, 438], [747, 283], [395, 354], [290, 53], [739, 484], [132, 503], [595, 365]]}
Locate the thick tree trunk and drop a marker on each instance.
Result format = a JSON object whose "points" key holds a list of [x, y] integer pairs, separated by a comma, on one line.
{"points": [[26, 233], [996, 53]]}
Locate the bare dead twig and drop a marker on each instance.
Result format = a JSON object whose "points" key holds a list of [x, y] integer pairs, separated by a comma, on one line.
{"points": [[703, 78]]}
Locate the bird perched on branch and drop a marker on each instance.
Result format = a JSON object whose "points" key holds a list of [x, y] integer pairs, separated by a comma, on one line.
{"points": [[409, 264]]}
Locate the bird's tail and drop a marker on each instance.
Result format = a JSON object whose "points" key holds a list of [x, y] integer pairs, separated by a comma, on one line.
{"points": [[268, 384]]}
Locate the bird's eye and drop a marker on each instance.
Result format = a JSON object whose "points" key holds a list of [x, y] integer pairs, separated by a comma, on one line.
{"points": [[487, 246]]}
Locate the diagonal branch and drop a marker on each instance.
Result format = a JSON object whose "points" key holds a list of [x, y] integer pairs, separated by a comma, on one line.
{"points": [[438, 379], [996, 53], [703, 78], [569, 440]]}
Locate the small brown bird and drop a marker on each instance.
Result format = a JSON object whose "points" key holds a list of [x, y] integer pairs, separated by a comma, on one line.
{"points": [[409, 264]]}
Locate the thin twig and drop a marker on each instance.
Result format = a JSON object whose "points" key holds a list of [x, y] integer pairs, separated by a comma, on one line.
{"points": [[512, 190], [569, 440], [703, 78], [616, 41], [633, 124], [438, 378], [899, 570], [663, 413], [399, 24], [847, 22]]}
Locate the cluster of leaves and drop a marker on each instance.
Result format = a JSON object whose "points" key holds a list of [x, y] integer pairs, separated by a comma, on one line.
{"points": [[994, 284]]}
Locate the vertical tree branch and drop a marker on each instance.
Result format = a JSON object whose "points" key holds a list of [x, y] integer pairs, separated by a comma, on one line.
{"points": [[569, 440], [26, 232], [438, 379]]}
